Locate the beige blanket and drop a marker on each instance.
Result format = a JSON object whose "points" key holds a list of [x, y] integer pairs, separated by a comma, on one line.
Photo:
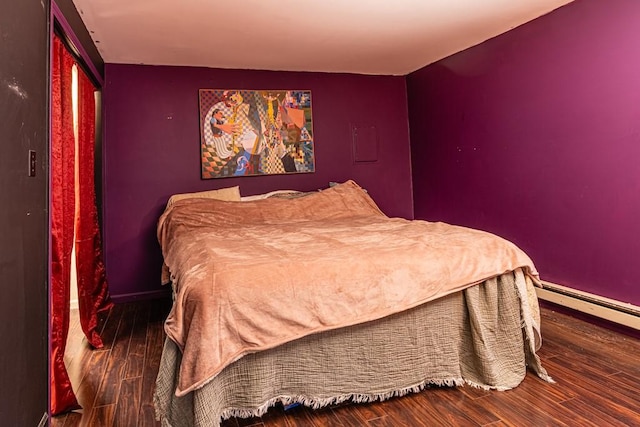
{"points": [[474, 336], [249, 276]]}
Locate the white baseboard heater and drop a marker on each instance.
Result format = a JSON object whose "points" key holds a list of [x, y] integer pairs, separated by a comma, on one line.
{"points": [[605, 308]]}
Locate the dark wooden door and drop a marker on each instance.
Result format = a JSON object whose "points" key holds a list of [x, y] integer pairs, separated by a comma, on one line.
{"points": [[24, 97]]}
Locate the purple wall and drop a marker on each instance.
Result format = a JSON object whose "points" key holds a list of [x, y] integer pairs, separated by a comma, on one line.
{"points": [[152, 151], [535, 135]]}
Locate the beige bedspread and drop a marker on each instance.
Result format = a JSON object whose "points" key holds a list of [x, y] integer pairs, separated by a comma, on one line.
{"points": [[249, 276], [479, 336]]}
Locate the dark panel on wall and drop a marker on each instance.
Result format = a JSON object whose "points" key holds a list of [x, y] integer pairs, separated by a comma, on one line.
{"points": [[152, 150], [24, 68], [365, 143], [535, 135]]}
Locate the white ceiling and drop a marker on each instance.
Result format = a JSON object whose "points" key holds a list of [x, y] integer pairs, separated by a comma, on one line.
{"points": [[389, 37]]}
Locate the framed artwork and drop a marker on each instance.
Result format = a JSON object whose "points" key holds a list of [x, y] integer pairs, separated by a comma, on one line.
{"points": [[255, 132]]}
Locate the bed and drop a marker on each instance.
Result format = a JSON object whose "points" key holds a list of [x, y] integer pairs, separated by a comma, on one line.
{"points": [[323, 299]]}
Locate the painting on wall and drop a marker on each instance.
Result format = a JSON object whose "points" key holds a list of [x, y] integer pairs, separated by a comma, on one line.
{"points": [[255, 132]]}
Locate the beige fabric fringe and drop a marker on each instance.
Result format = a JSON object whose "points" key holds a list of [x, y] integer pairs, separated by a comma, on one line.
{"points": [[483, 336]]}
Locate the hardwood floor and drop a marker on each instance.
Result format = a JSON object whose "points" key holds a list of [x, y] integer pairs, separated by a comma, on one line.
{"points": [[597, 372]]}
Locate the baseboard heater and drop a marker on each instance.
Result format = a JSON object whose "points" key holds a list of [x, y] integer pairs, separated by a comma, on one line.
{"points": [[605, 308]]}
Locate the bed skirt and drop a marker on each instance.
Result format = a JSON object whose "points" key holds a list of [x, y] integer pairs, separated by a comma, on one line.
{"points": [[483, 336]]}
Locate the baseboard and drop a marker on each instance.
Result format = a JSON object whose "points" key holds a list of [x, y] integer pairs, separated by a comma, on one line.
{"points": [[136, 296], [605, 308]]}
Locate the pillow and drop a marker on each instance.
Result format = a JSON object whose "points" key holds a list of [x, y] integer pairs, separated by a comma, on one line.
{"points": [[229, 194], [269, 194], [295, 195]]}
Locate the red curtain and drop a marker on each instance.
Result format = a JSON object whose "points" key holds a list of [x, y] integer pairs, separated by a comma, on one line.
{"points": [[93, 294], [62, 223], [67, 193]]}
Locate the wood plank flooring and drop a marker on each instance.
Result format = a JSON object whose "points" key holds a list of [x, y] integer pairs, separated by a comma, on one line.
{"points": [[597, 372]]}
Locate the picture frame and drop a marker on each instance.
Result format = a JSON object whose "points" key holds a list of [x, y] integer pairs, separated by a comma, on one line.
{"points": [[255, 132]]}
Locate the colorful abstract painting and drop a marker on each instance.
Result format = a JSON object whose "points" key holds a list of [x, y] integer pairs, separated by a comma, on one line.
{"points": [[255, 132]]}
